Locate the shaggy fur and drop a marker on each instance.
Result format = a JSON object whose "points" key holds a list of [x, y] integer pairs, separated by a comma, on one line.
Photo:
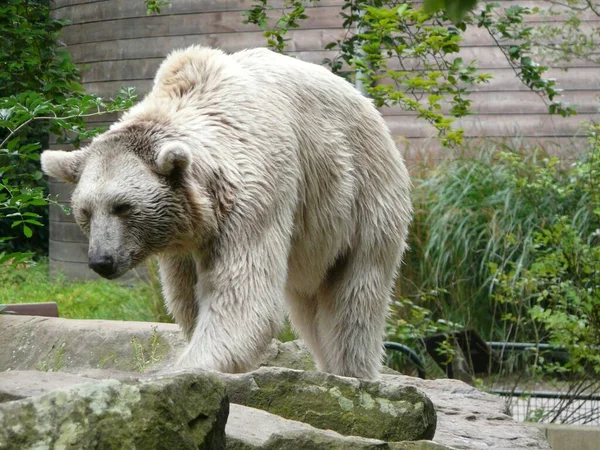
{"points": [[256, 178]]}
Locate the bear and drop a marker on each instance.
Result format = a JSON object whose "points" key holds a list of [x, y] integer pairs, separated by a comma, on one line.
{"points": [[264, 185]]}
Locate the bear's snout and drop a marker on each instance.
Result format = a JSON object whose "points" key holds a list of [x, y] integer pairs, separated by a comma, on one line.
{"points": [[102, 263]]}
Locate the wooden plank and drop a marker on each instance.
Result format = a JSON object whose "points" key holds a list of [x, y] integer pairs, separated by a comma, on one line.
{"points": [[58, 4], [157, 47], [69, 251], [532, 125], [185, 24], [145, 68], [419, 152], [63, 190], [503, 79], [516, 102], [489, 57], [46, 309], [305, 43], [556, 7], [66, 232], [57, 215], [124, 9]]}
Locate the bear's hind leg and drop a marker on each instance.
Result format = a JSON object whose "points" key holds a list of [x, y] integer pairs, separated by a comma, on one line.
{"points": [[178, 280], [302, 310], [352, 308]]}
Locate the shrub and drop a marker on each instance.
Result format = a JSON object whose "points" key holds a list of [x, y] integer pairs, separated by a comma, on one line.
{"points": [[483, 212], [31, 60]]}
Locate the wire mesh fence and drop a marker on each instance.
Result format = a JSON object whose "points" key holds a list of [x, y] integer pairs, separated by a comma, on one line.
{"points": [[553, 407]]}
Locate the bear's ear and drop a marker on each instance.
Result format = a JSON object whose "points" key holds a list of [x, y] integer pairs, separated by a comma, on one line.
{"points": [[66, 166], [171, 156]]}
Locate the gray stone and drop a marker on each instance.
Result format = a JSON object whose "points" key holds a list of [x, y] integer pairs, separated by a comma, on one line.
{"points": [[52, 344], [186, 411], [17, 384], [348, 406], [468, 418], [253, 429], [247, 428]]}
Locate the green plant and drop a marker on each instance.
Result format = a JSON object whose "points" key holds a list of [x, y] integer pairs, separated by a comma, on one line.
{"points": [[31, 60], [154, 6], [404, 55], [18, 115], [54, 361], [556, 298], [39, 94], [93, 299], [484, 208], [570, 39], [146, 354]]}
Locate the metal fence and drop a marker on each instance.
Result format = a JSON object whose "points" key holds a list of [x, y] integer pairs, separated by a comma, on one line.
{"points": [[553, 407]]}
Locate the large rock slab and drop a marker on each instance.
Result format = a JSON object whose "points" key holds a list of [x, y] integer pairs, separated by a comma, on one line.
{"points": [[186, 411], [467, 418], [52, 344], [253, 429], [347, 405], [247, 428]]}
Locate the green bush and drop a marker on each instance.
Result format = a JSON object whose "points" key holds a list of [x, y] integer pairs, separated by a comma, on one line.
{"points": [[484, 212], [556, 298], [31, 60]]}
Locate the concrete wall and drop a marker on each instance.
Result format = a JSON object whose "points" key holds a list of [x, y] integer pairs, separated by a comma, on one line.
{"points": [[571, 437]]}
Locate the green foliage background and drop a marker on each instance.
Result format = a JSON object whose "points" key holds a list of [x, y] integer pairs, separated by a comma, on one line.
{"points": [[31, 60]]}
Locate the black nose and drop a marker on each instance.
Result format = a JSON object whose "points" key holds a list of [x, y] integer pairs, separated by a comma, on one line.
{"points": [[102, 264]]}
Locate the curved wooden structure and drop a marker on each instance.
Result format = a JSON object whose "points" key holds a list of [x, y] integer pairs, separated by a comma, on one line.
{"points": [[117, 44]]}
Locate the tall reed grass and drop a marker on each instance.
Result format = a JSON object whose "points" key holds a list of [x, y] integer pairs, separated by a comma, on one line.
{"points": [[480, 210]]}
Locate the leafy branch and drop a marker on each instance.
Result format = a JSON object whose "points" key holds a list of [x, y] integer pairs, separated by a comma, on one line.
{"points": [[18, 190], [405, 55]]}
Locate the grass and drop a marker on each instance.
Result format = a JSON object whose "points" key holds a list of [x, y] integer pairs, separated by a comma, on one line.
{"points": [[480, 210], [98, 299]]}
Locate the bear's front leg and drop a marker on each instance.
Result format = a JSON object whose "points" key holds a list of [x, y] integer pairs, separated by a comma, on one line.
{"points": [[241, 306], [178, 280]]}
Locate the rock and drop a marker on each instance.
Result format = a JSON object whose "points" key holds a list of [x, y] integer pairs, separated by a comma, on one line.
{"points": [[468, 418], [187, 411], [247, 428], [69, 345], [346, 405], [314, 441], [417, 445], [253, 429], [16, 385], [293, 355], [51, 344]]}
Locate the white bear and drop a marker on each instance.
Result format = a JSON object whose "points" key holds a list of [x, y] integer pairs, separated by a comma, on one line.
{"points": [[260, 181]]}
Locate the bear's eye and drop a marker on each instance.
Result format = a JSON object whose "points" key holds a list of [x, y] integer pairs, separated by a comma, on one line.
{"points": [[121, 209]]}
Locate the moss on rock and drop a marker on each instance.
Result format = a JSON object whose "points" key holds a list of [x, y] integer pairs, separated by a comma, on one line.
{"points": [[349, 406], [187, 411]]}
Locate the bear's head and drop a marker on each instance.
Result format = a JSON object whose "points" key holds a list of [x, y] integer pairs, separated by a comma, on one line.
{"points": [[130, 199]]}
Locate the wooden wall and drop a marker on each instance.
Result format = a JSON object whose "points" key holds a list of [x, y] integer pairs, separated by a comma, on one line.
{"points": [[117, 44]]}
